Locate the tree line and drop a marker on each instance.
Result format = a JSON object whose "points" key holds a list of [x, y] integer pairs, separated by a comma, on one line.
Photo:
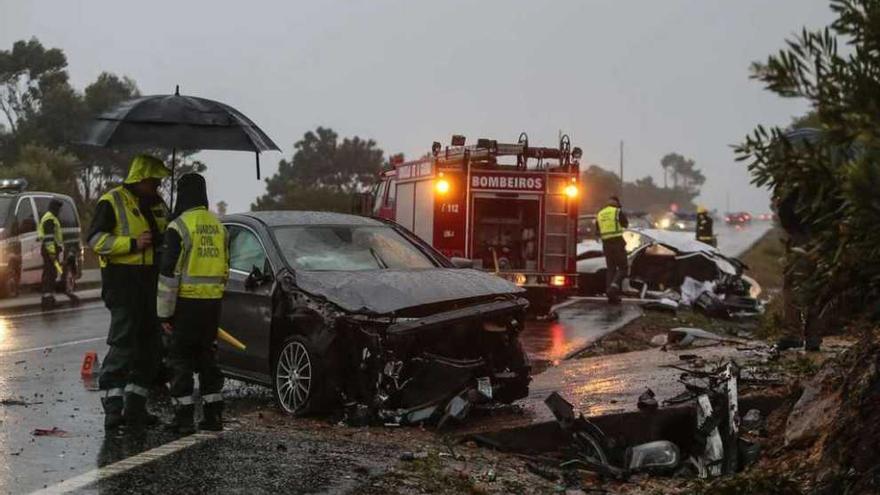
{"points": [[42, 117], [644, 194]]}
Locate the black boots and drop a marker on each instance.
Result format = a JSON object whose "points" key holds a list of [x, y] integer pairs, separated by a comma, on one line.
{"points": [[213, 420], [136, 415], [183, 423], [113, 417]]}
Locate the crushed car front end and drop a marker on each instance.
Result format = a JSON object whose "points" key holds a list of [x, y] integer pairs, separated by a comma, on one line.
{"points": [[410, 368]]}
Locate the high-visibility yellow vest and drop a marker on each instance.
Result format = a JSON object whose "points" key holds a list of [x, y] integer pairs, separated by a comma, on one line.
{"points": [[114, 248], [608, 219], [55, 242], [203, 264]]}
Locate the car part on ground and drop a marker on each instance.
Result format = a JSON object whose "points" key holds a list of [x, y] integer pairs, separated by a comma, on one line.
{"points": [[695, 435]]}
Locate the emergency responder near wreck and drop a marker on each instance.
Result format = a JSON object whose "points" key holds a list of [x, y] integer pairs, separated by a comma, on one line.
{"points": [[610, 222], [128, 224], [192, 276], [704, 227], [51, 240]]}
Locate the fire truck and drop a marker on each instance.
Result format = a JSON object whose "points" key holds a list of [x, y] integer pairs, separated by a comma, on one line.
{"points": [[510, 209]]}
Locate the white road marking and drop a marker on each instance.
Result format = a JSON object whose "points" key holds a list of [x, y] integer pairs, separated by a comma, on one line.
{"points": [[53, 346], [128, 464], [53, 312]]}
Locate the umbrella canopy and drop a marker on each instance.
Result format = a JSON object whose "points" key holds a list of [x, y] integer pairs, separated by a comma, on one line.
{"points": [[177, 122]]}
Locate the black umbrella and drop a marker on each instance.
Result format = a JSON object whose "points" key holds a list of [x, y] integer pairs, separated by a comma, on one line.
{"points": [[177, 122]]}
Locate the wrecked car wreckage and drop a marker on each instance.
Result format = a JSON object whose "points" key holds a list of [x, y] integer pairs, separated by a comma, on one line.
{"points": [[407, 369], [697, 434], [397, 335], [672, 269]]}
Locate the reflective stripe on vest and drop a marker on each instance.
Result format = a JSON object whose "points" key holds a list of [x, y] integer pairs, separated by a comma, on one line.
{"points": [[608, 219], [115, 247], [58, 236]]}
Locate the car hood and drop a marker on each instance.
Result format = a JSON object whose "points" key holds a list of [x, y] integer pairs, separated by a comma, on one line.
{"points": [[387, 291]]}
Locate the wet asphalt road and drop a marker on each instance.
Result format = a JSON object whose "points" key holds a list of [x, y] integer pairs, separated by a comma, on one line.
{"points": [[41, 388], [734, 241]]}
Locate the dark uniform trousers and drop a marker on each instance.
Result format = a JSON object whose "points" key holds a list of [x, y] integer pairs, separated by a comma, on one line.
{"points": [[616, 263], [193, 349], [129, 292], [50, 273]]}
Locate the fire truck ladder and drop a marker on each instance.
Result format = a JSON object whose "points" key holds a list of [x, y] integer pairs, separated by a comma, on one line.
{"points": [[486, 149]]}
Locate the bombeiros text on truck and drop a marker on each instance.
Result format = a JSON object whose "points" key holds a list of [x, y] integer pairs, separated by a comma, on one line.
{"points": [[509, 208]]}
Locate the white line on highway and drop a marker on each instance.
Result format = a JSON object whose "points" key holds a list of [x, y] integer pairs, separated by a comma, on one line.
{"points": [[63, 344], [128, 464], [53, 312]]}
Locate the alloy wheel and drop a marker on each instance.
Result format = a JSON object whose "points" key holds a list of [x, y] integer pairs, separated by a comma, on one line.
{"points": [[293, 377]]}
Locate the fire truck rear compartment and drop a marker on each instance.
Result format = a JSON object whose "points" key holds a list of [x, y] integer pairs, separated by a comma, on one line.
{"points": [[509, 228]]}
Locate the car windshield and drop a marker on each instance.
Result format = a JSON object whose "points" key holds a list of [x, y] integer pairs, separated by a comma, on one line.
{"points": [[348, 248]]}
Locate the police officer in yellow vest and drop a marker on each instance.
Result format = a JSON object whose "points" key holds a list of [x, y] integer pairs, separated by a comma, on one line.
{"points": [[192, 276], [51, 240], [610, 222], [128, 224]]}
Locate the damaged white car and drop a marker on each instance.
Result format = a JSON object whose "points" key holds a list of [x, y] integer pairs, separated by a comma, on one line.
{"points": [[671, 263]]}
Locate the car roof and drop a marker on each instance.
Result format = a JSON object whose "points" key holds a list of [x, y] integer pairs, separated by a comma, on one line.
{"points": [[10, 193], [291, 217]]}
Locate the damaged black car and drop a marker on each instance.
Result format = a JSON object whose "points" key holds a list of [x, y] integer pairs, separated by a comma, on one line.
{"points": [[339, 311]]}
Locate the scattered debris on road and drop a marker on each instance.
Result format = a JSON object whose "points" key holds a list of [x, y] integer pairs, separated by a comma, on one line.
{"points": [[51, 432], [17, 402]]}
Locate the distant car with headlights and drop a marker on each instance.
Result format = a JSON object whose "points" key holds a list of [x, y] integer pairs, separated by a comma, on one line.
{"points": [[339, 309], [21, 263], [676, 221], [738, 218]]}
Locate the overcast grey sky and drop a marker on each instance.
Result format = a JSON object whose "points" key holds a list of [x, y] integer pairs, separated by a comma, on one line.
{"points": [[663, 76]]}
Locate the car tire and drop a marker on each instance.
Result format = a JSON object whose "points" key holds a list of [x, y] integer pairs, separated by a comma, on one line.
{"points": [[298, 376]]}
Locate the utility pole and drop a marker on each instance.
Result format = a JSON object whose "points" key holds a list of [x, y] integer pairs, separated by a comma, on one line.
{"points": [[621, 170]]}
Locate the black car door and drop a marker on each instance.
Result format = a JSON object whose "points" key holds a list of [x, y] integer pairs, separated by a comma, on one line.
{"points": [[247, 306]]}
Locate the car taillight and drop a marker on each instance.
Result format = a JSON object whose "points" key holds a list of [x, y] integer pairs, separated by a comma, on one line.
{"points": [[557, 280]]}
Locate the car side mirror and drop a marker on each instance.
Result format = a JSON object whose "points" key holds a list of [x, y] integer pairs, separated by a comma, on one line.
{"points": [[462, 262], [256, 278]]}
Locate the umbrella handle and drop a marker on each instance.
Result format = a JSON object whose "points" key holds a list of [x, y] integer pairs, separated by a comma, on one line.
{"points": [[173, 164]]}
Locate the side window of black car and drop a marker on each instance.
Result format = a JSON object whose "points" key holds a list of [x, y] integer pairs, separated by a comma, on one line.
{"points": [[245, 250], [24, 217]]}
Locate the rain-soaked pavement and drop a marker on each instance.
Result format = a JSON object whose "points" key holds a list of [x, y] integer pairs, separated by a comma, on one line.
{"points": [[41, 388]]}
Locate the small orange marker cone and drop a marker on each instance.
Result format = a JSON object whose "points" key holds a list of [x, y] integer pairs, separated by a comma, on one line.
{"points": [[90, 362]]}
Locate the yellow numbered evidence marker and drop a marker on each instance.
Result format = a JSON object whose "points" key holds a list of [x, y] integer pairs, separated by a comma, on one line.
{"points": [[229, 339]]}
